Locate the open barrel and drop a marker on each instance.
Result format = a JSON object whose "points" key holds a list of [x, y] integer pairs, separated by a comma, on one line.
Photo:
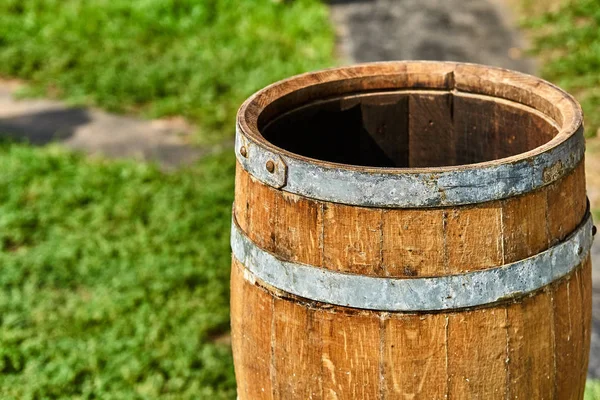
{"points": [[410, 230]]}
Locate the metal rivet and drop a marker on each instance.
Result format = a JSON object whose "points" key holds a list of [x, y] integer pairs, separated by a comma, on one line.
{"points": [[270, 166], [594, 230], [243, 151]]}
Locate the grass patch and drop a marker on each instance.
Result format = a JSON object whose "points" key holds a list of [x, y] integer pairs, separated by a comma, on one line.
{"points": [[115, 276], [596, 214], [114, 280], [198, 59], [567, 40], [592, 390]]}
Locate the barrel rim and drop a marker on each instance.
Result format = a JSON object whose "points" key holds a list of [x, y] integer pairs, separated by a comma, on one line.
{"points": [[247, 117], [414, 187]]}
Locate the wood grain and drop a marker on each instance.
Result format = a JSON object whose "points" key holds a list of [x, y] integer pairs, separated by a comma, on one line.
{"points": [[262, 213], [530, 320], [297, 352], [351, 355], [236, 302], [579, 193], [385, 120], [566, 204], [298, 229], [252, 341], [531, 348], [431, 126], [415, 365], [568, 336], [477, 134], [477, 354], [586, 314], [242, 202], [474, 238], [524, 226], [352, 239], [413, 243]]}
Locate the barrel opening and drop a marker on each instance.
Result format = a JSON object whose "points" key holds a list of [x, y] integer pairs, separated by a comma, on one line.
{"points": [[419, 128]]}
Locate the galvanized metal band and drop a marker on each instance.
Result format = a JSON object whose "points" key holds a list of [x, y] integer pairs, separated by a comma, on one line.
{"points": [[415, 294], [406, 188]]}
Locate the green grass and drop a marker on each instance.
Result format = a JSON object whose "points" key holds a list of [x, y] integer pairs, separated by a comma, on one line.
{"points": [[592, 390], [195, 58], [596, 214], [115, 276], [568, 44], [114, 280]]}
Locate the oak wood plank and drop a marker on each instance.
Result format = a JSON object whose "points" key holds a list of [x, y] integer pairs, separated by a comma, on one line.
{"points": [[568, 336], [432, 140], [299, 229], [524, 226], [352, 239], [474, 238], [262, 214], [586, 313], [236, 312], [385, 119], [531, 347], [296, 352], [413, 242], [477, 354], [241, 203], [562, 207], [252, 311], [415, 353], [351, 355], [476, 130]]}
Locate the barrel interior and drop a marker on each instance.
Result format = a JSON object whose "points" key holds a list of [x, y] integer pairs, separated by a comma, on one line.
{"points": [[405, 129]]}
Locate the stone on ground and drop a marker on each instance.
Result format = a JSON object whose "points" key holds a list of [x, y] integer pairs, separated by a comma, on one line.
{"points": [[42, 121]]}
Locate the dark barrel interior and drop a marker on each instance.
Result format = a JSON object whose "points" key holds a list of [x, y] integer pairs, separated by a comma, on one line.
{"points": [[409, 129]]}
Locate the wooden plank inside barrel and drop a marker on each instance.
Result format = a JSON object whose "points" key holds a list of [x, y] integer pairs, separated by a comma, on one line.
{"points": [[410, 230]]}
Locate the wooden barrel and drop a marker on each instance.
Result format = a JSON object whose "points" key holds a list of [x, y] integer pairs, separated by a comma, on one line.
{"points": [[410, 230]]}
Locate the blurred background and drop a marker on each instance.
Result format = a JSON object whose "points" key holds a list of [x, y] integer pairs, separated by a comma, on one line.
{"points": [[116, 184]]}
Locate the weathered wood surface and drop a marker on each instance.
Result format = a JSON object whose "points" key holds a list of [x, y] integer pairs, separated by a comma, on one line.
{"points": [[410, 242], [534, 346], [543, 346]]}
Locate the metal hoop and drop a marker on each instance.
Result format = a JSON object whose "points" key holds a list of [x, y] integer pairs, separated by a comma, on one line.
{"points": [[415, 294], [408, 189]]}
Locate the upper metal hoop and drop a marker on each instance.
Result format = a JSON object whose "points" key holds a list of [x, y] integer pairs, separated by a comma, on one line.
{"points": [[408, 189]]}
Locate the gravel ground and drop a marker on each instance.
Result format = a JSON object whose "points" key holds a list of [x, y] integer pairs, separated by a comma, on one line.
{"points": [[458, 30]]}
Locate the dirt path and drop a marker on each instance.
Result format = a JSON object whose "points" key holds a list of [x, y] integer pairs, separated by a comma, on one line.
{"points": [[458, 30], [41, 121]]}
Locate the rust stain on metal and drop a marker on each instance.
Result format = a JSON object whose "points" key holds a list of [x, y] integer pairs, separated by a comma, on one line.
{"points": [[270, 166], [553, 172]]}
